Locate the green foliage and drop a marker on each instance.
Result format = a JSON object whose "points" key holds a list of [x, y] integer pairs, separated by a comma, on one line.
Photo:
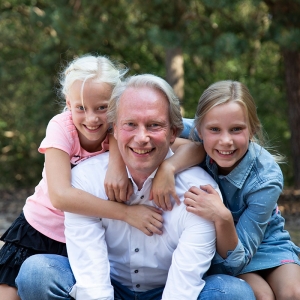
{"points": [[220, 40]]}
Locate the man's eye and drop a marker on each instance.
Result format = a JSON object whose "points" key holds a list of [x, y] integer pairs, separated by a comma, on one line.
{"points": [[128, 126], [153, 126]]}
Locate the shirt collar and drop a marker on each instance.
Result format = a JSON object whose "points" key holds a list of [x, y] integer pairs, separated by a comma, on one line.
{"points": [[240, 173]]}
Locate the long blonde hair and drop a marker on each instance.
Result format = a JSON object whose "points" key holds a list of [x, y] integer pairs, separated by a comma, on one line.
{"points": [[233, 91]]}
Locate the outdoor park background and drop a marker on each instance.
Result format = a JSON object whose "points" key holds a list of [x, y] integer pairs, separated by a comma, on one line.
{"points": [[191, 43]]}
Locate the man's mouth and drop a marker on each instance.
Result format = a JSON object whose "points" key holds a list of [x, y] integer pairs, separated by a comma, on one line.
{"points": [[141, 151]]}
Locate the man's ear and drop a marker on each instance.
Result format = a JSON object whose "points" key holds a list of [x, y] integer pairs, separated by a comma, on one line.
{"points": [[115, 131], [173, 135], [68, 103]]}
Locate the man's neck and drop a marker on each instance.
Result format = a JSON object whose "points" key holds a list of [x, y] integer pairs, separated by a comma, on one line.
{"points": [[139, 177]]}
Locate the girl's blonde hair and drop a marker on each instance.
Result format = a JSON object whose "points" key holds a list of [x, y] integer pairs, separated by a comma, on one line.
{"points": [[99, 69], [233, 91]]}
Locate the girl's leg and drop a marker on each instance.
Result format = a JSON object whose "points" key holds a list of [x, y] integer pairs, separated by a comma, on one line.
{"points": [[8, 292], [259, 285], [285, 281]]}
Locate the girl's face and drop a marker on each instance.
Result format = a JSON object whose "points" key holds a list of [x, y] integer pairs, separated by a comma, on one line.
{"points": [[89, 115], [225, 133]]}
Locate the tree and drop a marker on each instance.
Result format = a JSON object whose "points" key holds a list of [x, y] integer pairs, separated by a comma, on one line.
{"points": [[286, 31], [205, 40]]}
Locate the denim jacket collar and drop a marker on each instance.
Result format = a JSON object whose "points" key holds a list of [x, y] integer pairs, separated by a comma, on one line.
{"points": [[239, 174]]}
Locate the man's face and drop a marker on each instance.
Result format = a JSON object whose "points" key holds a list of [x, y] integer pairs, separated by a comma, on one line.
{"points": [[143, 130]]}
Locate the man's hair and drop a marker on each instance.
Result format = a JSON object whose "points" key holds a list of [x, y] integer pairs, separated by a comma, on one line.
{"points": [[147, 80]]}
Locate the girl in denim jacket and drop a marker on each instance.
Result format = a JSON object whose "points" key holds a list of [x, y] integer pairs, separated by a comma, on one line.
{"points": [[251, 241]]}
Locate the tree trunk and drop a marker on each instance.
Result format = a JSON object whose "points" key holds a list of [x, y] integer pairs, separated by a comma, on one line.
{"points": [[292, 78], [175, 71]]}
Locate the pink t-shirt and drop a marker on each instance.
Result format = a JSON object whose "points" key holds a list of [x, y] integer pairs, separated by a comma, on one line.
{"points": [[38, 210]]}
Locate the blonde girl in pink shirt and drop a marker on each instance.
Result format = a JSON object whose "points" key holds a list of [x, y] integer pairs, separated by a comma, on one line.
{"points": [[71, 137]]}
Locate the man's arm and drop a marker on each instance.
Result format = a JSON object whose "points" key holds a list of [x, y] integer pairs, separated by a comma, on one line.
{"points": [[85, 238], [87, 252], [191, 259]]}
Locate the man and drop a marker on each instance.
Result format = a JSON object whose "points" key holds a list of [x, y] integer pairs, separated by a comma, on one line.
{"points": [[146, 118], [109, 258]]}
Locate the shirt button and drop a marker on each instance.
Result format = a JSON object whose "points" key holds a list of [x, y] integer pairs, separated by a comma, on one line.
{"points": [[142, 197], [137, 285], [136, 271], [136, 249]]}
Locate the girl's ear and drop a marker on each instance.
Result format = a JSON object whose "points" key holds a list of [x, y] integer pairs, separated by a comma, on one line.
{"points": [[68, 103], [199, 133]]}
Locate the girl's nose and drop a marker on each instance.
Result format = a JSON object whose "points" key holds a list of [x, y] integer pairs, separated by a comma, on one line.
{"points": [[91, 117], [226, 138]]}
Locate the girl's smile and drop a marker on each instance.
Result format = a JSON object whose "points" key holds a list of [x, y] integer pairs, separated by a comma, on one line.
{"points": [[225, 134], [89, 109]]}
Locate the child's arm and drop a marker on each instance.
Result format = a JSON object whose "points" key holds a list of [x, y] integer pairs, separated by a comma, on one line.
{"points": [[118, 186], [186, 154], [206, 203], [66, 198]]}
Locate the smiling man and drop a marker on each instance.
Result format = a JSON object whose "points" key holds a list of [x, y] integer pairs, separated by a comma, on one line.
{"points": [[146, 119], [109, 258]]}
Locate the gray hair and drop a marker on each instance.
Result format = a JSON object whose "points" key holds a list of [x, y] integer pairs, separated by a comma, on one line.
{"points": [[147, 80]]}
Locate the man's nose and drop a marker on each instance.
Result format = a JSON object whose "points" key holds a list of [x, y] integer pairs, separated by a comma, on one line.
{"points": [[142, 135]]}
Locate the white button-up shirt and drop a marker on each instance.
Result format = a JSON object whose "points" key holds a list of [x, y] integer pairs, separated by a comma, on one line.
{"points": [[100, 248]]}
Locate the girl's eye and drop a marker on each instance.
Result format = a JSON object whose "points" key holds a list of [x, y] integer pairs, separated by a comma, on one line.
{"points": [[81, 107], [236, 129], [103, 107], [214, 129]]}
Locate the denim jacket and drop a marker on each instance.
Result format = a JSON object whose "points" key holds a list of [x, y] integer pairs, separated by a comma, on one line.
{"points": [[251, 192]]}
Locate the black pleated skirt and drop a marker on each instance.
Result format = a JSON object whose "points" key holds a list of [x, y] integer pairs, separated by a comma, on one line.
{"points": [[22, 241]]}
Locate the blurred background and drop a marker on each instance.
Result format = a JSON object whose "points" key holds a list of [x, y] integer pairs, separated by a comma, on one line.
{"points": [[190, 43]]}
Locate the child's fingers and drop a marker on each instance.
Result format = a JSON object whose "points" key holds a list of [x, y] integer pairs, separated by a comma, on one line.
{"points": [[110, 193], [208, 189], [122, 195], [162, 203], [176, 198], [129, 190]]}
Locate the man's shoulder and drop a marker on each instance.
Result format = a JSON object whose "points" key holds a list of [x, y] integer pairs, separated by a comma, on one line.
{"points": [[98, 162], [196, 176]]}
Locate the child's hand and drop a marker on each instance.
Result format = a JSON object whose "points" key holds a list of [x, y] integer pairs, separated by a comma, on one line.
{"points": [[204, 202], [146, 218], [164, 186], [118, 186]]}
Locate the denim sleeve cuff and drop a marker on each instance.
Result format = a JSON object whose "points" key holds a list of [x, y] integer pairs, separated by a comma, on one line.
{"points": [[235, 260]]}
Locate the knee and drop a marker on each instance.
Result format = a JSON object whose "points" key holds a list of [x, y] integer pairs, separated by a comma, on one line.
{"points": [[227, 287], [42, 273], [292, 293]]}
